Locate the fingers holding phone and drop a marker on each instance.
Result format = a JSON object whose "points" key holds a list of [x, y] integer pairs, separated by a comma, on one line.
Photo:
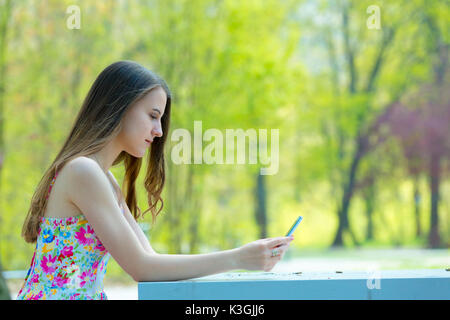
{"points": [[279, 247], [264, 254]]}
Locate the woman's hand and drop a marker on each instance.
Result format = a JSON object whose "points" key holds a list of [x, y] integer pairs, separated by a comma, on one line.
{"points": [[257, 255]]}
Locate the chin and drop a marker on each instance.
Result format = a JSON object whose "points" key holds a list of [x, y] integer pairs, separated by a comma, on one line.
{"points": [[137, 153]]}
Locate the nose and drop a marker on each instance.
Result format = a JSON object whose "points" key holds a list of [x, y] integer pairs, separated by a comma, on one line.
{"points": [[157, 131]]}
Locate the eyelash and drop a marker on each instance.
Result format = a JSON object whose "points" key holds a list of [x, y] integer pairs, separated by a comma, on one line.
{"points": [[153, 117]]}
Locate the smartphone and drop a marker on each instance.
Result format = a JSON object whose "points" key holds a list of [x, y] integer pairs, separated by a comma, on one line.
{"points": [[292, 229], [294, 226]]}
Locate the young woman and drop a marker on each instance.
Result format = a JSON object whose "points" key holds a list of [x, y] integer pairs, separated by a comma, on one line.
{"points": [[79, 217]]}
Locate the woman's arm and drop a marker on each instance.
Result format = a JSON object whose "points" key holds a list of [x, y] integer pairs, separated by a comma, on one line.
{"points": [[134, 225], [169, 267], [256, 255], [137, 230]]}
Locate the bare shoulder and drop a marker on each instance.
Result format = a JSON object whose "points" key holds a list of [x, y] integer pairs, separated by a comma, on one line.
{"points": [[82, 164], [86, 177]]}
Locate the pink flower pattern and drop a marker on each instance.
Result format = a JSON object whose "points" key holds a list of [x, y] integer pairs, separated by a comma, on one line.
{"points": [[60, 281], [85, 277], [66, 252], [48, 264], [85, 237]]}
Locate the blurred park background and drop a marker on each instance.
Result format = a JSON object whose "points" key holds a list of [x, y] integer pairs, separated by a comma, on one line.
{"points": [[359, 91]]}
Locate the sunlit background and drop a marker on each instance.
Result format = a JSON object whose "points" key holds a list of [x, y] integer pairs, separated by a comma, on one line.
{"points": [[359, 91]]}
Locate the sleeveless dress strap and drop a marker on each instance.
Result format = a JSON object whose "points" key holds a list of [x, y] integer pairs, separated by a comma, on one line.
{"points": [[51, 184]]}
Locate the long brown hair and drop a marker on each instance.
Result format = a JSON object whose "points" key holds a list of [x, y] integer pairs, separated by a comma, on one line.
{"points": [[116, 88]]}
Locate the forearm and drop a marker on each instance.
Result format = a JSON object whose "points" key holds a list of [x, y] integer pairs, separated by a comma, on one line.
{"points": [[170, 267]]}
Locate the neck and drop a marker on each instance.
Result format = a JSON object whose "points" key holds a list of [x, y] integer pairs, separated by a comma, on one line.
{"points": [[106, 156]]}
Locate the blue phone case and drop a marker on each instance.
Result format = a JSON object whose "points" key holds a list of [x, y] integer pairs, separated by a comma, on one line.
{"points": [[294, 226]]}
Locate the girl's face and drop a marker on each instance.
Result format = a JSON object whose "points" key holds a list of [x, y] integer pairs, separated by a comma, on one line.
{"points": [[143, 122]]}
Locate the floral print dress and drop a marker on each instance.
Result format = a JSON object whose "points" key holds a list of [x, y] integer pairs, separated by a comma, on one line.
{"points": [[69, 261]]}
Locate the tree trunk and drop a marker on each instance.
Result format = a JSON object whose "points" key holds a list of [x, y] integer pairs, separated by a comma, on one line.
{"points": [[434, 240], [193, 200], [369, 199], [194, 225], [173, 208], [346, 199], [417, 200], [338, 240], [440, 69], [260, 210]]}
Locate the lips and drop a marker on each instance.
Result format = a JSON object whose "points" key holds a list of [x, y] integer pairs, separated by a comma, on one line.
{"points": [[149, 141]]}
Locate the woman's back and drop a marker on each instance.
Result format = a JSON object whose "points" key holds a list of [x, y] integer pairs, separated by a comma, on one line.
{"points": [[69, 261]]}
